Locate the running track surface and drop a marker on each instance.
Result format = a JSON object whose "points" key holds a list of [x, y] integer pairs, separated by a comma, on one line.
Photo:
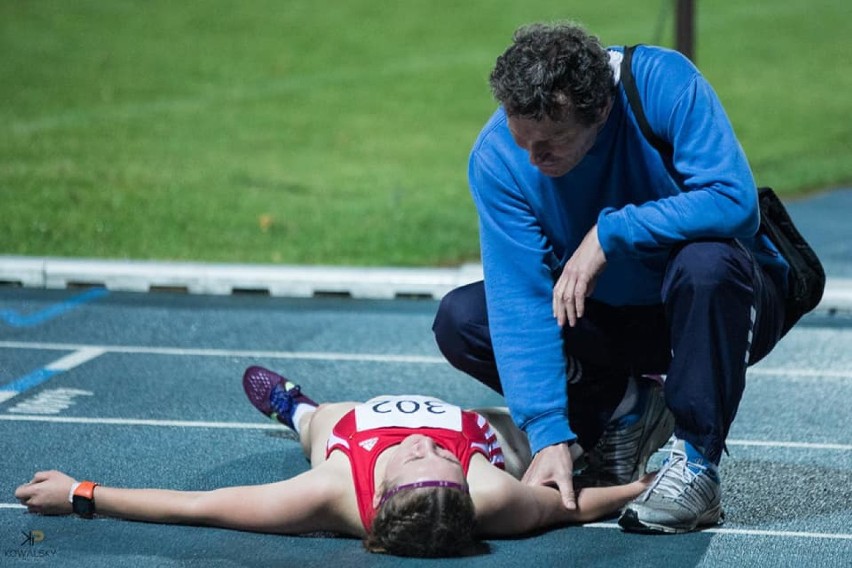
{"points": [[144, 390]]}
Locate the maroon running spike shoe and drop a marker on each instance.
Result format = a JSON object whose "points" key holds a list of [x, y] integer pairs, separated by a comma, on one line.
{"points": [[273, 395]]}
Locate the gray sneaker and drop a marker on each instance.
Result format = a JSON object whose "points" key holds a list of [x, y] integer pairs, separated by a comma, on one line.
{"points": [[685, 495], [622, 453]]}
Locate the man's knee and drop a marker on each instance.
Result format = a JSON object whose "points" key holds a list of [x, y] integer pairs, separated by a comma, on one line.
{"points": [[462, 333], [458, 310], [708, 265]]}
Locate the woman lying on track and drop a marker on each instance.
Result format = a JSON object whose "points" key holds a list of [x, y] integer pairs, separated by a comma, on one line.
{"points": [[411, 475]]}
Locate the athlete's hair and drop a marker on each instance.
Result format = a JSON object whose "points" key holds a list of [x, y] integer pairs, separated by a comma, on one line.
{"points": [[554, 71], [425, 522]]}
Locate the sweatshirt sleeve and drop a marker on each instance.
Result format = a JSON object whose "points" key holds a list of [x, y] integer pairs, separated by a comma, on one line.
{"points": [[718, 197], [518, 287]]}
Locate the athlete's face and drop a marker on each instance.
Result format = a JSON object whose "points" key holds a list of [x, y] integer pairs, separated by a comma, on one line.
{"points": [[554, 147], [419, 458]]}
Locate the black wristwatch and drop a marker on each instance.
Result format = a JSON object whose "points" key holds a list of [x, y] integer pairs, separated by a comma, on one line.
{"points": [[83, 501]]}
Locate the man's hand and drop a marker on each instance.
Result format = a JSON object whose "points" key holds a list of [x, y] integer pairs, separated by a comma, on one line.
{"points": [[47, 493], [578, 279], [553, 465]]}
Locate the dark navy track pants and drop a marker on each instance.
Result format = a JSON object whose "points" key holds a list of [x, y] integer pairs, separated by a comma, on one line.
{"points": [[720, 312]]}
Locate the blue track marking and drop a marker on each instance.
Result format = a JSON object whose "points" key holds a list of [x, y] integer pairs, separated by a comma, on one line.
{"points": [[44, 374], [15, 319], [29, 381]]}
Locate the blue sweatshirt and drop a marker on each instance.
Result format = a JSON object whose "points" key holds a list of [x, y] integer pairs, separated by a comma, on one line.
{"points": [[530, 224]]}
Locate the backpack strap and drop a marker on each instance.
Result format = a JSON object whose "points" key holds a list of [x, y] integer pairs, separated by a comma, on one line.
{"points": [[663, 148], [629, 84]]}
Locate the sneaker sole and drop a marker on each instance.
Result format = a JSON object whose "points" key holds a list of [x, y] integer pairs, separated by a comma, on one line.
{"points": [[630, 522]]}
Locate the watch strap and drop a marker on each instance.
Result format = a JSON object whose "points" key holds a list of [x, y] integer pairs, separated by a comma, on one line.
{"points": [[83, 499]]}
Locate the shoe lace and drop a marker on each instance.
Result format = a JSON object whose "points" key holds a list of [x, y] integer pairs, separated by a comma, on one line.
{"points": [[675, 475], [282, 400]]}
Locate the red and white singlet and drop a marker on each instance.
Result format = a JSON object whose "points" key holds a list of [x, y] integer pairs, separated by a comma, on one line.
{"points": [[368, 429]]}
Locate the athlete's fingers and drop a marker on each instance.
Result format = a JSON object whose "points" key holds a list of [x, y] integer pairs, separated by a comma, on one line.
{"points": [[41, 476]]}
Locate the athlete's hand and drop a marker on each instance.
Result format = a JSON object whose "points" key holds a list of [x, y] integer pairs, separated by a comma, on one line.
{"points": [[47, 493], [553, 465], [578, 279]]}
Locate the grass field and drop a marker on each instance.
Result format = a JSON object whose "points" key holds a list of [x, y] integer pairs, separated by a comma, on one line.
{"points": [[338, 132]]}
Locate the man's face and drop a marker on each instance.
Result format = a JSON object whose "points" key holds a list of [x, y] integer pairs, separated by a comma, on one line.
{"points": [[554, 147]]}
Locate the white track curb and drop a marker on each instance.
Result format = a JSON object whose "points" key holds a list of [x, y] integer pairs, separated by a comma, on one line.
{"points": [[274, 280], [224, 279]]}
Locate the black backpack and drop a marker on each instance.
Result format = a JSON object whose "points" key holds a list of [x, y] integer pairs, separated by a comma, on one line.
{"points": [[807, 277]]}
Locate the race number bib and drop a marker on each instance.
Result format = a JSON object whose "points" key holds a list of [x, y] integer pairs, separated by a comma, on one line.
{"points": [[407, 411]]}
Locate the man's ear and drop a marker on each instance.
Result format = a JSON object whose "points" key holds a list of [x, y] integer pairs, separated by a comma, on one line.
{"points": [[603, 114]]}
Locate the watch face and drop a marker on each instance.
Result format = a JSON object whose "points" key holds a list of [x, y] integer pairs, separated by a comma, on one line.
{"points": [[83, 506]]}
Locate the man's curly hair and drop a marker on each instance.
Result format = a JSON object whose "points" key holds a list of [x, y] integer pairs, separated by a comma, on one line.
{"points": [[435, 522], [554, 71]]}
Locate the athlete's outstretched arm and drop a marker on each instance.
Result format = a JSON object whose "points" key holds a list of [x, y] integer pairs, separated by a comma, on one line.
{"points": [[506, 507], [305, 503]]}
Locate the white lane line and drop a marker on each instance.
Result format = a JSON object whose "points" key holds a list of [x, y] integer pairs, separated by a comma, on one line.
{"points": [[802, 445], [75, 359], [337, 356], [142, 422], [747, 532], [786, 372], [274, 426], [196, 352]]}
